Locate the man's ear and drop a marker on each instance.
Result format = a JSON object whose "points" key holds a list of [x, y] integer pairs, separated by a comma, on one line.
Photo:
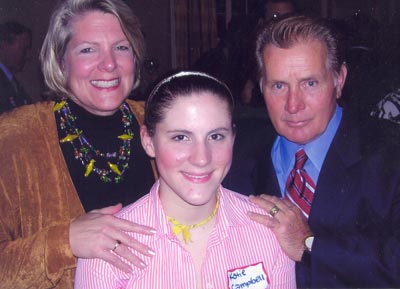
{"points": [[341, 79], [147, 141]]}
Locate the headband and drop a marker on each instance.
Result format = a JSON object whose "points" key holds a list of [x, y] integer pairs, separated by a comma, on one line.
{"points": [[187, 73]]}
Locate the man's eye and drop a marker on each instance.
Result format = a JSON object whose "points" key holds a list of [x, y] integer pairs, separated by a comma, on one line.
{"points": [[311, 83], [278, 85]]}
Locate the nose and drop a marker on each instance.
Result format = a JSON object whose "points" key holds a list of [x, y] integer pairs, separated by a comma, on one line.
{"points": [[294, 101], [108, 61], [201, 154]]}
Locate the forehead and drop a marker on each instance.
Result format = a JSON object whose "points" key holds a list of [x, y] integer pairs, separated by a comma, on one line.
{"points": [[301, 55], [202, 102], [95, 21]]}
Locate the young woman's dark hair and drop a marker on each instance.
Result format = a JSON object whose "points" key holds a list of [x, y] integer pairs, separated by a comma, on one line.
{"points": [[182, 84]]}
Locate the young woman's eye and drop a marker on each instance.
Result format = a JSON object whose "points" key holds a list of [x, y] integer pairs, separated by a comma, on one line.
{"points": [[217, 136], [180, 137]]}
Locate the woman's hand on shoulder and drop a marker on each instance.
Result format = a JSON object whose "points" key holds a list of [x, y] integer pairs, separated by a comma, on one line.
{"points": [[99, 234]]}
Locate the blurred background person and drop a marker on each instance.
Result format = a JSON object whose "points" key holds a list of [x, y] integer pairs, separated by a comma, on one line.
{"points": [[15, 44], [67, 163], [277, 8], [272, 9]]}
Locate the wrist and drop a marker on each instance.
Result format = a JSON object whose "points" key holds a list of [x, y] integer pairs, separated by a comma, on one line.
{"points": [[308, 242]]}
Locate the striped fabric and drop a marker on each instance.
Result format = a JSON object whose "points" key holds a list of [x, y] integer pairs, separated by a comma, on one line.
{"points": [[238, 250], [299, 186]]}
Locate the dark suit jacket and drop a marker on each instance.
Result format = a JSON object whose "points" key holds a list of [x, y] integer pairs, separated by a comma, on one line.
{"points": [[355, 215], [8, 92]]}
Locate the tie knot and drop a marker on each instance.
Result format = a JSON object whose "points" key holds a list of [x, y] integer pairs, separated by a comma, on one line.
{"points": [[301, 159]]}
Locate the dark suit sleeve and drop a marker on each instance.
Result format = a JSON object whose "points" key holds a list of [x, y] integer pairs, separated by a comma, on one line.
{"points": [[363, 254]]}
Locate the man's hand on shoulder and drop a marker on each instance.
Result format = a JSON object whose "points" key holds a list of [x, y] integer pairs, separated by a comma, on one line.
{"points": [[286, 221]]}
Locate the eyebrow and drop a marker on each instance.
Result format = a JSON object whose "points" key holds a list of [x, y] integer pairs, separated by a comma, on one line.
{"points": [[184, 131], [85, 42]]}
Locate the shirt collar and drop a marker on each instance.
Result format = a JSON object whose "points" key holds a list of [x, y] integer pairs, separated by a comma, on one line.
{"points": [[314, 150], [318, 148], [228, 215], [161, 223]]}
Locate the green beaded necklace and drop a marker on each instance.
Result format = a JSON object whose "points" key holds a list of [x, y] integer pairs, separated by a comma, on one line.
{"points": [[87, 154]]}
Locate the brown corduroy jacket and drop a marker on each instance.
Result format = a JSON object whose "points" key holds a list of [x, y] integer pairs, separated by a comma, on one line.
{"points": [[38, 200]]}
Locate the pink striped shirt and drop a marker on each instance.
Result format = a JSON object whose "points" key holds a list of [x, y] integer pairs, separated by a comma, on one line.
{"points": [[240, 253]]}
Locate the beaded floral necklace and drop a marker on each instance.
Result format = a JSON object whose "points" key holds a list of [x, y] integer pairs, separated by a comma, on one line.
{"points": [[87, 154]]}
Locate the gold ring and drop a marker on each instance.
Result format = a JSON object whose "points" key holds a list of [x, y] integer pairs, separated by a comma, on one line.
{"points": [[274, 211], [116, 245]]}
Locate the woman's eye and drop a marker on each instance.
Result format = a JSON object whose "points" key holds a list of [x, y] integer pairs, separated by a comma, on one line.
{"points": [[179, 137], [122, 47], [86, 50], [217, 136]]}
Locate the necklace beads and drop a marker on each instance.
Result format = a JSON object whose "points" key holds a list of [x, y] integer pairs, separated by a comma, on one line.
{"points": [[112, 164]]}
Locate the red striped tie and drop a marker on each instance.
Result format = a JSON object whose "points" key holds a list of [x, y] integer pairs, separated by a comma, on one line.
{"points": [[299, 185]]}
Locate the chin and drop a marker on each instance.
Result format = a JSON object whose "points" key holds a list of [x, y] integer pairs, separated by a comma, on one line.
{"points": [[110, 106], [296, 139]]}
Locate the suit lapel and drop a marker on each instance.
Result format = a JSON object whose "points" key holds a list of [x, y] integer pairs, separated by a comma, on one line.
{"points": [[334, 181]]}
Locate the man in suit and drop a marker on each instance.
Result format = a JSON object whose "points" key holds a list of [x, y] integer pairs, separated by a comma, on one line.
{"points": [[15, 42], [333, 184]]}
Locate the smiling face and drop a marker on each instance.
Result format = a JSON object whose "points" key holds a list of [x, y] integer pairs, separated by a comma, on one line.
{"points": [[99, 63], [300, 90], [193, 146]]}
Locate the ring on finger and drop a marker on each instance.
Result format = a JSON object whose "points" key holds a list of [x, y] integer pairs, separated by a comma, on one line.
{"points": [[116, 245], [274, 210]]}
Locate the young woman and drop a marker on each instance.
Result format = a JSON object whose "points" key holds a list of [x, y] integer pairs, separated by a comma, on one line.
{"points": [[204, 238]]}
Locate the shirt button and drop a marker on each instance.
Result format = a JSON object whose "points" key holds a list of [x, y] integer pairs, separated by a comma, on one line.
{"points": [[210, 286]]}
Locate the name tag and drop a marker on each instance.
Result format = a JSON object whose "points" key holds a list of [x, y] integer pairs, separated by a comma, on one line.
{"points": [[249, 277]]}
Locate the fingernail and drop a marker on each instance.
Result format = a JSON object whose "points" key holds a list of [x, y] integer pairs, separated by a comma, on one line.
{"points": [[151, 252], [153, 231], [143, 265]]}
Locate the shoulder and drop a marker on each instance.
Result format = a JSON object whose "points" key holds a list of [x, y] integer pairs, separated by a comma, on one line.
{"points": [[137, 108], [370, 144], [236, 208], [139, 211], [26, 119], [146, 211], [370, 134], [238, 205]]}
